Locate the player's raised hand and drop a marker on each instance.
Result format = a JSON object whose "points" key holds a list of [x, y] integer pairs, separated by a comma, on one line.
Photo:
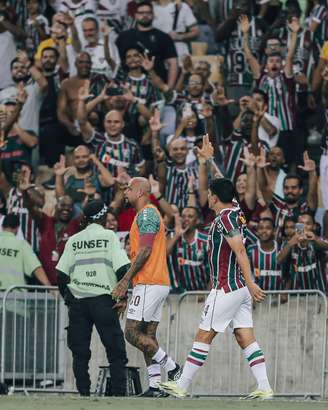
{"points": [[249, 159], [60, 167], [256, 292], [146, 62], [261, 161]]}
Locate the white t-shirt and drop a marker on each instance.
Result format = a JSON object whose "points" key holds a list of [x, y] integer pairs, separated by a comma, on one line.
{"points": [[29, 116], [278, 189], [7, 54], [264, 136], [80, 11], [112, 10], [164, 19]]}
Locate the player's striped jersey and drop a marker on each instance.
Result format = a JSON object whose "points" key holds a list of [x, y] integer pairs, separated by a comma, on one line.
{"points": [[15, 205], [113, 154], [194, 271], [281, 94], [238, 71], [265, 267], [176, 188], [224, 269], [305, 268], [281, 211]]}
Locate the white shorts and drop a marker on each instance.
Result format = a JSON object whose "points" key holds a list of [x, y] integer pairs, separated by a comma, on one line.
{"points": [[222, 309], [147, 302]]}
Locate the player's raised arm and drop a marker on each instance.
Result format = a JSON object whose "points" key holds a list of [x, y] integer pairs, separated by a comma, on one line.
{"points": [[238, 247]]}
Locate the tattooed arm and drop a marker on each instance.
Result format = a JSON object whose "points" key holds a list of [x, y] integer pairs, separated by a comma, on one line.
{"points": [[148, 222], [122, 286]]}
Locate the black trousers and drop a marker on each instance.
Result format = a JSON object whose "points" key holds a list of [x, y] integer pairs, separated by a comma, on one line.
{"points": [[98, 311]]}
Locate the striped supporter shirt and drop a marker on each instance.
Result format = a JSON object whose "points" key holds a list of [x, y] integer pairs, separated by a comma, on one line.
{"points": [[113, 154], [15, 205], [281, 211], [194, 271], [224, 269], [265, 267], [304, 268], [281, 94], [176, 188]]}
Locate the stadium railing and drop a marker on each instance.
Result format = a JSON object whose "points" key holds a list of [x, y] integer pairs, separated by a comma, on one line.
{"points": [[33, 347], [292, 334]]}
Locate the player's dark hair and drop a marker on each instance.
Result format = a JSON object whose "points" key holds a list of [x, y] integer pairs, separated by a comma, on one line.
{"points": [[275, 54], [11, 221], [289, 219], [224, 189], [292, 175]]}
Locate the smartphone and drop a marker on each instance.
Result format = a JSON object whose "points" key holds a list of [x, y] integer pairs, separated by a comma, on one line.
{"points": [[299, 227], [114, 91]]}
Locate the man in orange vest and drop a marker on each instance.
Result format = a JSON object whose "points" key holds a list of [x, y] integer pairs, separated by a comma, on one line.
{"points": [[150, 279]]}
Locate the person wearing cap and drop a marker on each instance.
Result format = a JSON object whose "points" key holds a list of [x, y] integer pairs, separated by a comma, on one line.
{"points": [[17, 257], [88, 270]]}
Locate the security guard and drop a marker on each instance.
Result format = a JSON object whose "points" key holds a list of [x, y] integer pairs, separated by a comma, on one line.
{"points": [[17, 257], [88, 270]]}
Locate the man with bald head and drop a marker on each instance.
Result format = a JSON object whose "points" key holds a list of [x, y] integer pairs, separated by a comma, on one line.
{"points": [[85, 178], [112, 147], [174, 174], [150, 279]]}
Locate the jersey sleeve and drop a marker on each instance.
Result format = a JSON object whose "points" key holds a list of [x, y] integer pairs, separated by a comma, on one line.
{"points": [[119, 256], [148, 221], [66, 261], [30, 260], [228, 224]]}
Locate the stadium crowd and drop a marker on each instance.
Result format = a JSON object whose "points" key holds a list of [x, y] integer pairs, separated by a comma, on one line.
{"points": [[95, 92]]}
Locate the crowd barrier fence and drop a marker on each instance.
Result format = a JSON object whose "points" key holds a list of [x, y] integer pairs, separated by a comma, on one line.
{"points": [[292, 333]]}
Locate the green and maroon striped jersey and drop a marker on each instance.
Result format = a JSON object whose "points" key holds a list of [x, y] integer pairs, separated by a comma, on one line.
{"points": [[194, 270], [113, 154], [281, 92], [224, 269], [305, 268], [265, 267], [176, 188]]}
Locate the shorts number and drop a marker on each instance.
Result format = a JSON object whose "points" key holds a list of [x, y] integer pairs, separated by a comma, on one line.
{"points": [[135, 300], [91, 274]]}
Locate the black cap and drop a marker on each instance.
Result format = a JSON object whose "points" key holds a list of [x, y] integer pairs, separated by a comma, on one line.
{"points": [[95, 210]]}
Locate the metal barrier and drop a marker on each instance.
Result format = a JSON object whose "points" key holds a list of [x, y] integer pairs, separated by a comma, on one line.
{"points": [[293, 336], [32, 339], [34, 354]]}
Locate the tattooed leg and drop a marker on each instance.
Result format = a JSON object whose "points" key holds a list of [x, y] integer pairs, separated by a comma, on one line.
{"points": [[136, 335], [150, 330]]}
